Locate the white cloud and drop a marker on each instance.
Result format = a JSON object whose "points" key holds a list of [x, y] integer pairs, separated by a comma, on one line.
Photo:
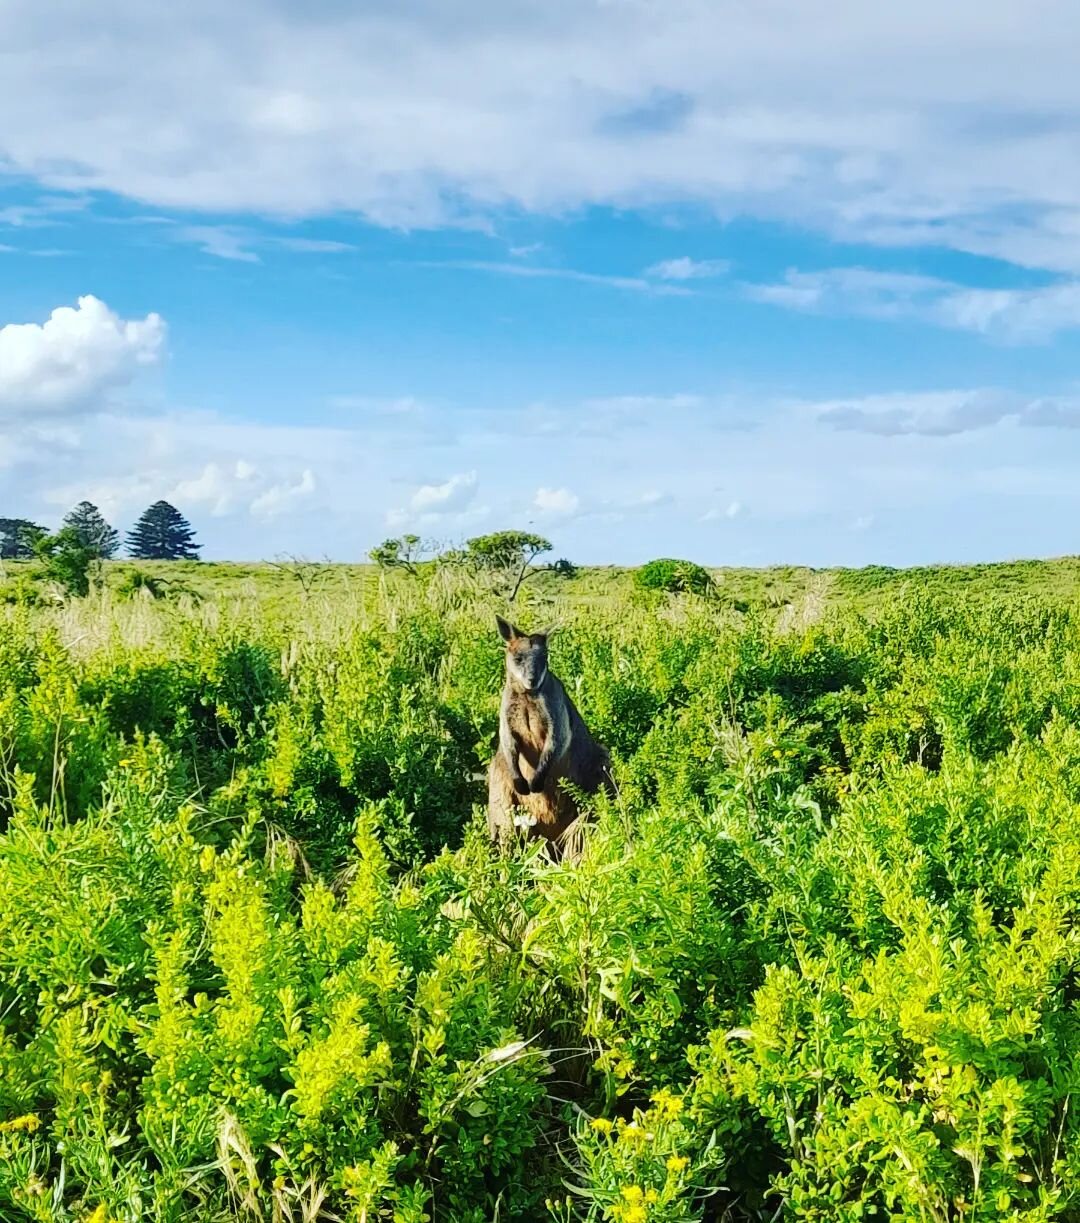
{"points": [[241, 245], [688, 269], [74, 359], [633, 284], [733, 509], [946, 413], [855, 290], [932, 413], [280, 497], [214, 487], [558, 502], [955, 124], [447, 498], [1014, 315], [220, 241], [255, 489]]}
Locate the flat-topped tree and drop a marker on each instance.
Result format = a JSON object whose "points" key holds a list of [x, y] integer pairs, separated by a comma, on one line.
{"points": [[162, 534], [93, 532], [508, 554]]}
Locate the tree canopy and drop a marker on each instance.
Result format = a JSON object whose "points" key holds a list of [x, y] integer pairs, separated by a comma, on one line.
{"points": [[93, 531], [162, 534], [17, 536], [511, 554]]}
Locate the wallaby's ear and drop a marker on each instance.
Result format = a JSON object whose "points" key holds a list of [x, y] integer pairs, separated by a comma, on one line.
{"points": [[506, 631]]}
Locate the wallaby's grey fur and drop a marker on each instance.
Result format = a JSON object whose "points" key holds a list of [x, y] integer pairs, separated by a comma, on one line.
{"points": [[542, 739]]}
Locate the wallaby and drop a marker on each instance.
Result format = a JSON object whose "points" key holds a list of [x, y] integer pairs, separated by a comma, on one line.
{"points": [[542, 739]]}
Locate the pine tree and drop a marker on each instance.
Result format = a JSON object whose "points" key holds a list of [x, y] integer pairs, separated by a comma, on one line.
{"points": [[162, 534], [17, 536], [93, 531]]}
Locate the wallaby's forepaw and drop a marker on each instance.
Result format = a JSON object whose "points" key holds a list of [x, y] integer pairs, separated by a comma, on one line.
{"points": [[521, 785], [537, 784]]}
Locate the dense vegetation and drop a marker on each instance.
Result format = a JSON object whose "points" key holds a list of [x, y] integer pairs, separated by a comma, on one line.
{"points": [[819, 961]]}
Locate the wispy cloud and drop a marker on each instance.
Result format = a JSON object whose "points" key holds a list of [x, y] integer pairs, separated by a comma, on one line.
{"points": [[685, 268], [1011, 315], [219, 241], [243, 245], [633, 284], [45, 211], [946, 413]]}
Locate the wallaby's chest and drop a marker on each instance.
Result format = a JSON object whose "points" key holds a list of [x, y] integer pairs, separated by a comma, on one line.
{"points": [[528, 718]]}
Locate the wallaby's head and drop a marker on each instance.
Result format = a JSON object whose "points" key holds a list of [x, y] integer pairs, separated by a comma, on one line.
{"points": [[526, 655]]}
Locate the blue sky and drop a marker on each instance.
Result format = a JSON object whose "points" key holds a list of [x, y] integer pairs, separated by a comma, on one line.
{"points": [[791, 283]]}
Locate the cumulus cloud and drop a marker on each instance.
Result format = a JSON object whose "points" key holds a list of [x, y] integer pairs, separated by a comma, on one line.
{"points": [[955, 125], [448, 503], [558, 502], [281, 497], [447, 498], [75, 358], [224, 488], [1001, 489]]}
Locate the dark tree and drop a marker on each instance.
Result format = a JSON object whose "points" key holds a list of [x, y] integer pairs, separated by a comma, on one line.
{"points": [[162, 534], [93, 531], [17, 538]]}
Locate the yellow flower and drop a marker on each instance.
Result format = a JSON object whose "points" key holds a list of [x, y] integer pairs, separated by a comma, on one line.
{"points": [[670, 1106], [99, 1215], [651, 1196], [602, 1125], [632, 1193], [677, 1163], [27, 1124]]}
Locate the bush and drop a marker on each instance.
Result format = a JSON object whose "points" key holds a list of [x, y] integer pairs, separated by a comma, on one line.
{"points": [[818, 959], [674, 577]]}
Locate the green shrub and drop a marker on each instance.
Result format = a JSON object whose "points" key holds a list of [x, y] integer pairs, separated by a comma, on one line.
{"points": [[674, 577], [818, 959]]}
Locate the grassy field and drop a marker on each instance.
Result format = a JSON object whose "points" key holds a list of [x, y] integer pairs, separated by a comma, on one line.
{"points": [[818, 962]]}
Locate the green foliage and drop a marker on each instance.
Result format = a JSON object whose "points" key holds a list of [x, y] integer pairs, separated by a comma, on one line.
{"points": [[674, 577], [509, 557], [818, 960], [92, 531], [17, 536], [404, 553], [67, 560], [162, 534]]}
